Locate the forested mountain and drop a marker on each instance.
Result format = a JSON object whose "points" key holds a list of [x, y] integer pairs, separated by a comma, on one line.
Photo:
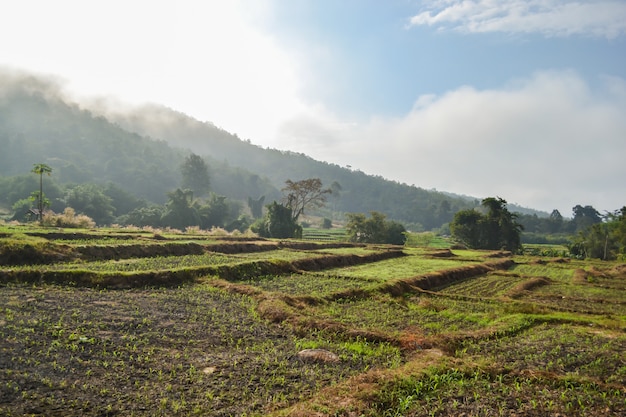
{"points": [[141, 151]]}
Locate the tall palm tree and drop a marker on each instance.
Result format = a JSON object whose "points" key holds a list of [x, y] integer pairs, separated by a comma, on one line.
{"points": [[41, 169]]}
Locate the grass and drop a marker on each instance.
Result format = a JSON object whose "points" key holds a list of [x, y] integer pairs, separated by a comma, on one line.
{"points": [[309, 284], [546, 337], [395, 268], [491, 285]]}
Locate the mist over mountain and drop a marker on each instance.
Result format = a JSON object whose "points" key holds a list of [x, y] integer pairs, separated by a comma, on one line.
{"points": [[141, 149]]}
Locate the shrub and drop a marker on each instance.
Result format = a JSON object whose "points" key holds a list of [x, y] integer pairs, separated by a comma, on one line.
{"points": [[69, 219]]}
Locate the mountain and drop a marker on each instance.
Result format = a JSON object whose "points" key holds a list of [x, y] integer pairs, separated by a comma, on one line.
{"points": [[359, 192], [141, 151]]}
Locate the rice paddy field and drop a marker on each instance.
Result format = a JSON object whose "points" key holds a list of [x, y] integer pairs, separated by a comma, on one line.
{"points": [[112, 322]]}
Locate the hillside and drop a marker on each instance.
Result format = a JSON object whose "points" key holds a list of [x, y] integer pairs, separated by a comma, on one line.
{"points": [[141, 151], [359, 192]]}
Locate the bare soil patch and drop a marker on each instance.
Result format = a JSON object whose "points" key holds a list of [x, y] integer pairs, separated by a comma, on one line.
{"points": [[191, 350]]}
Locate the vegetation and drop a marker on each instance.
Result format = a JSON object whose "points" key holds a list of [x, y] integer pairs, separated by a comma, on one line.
{"points": [[376, 229], [603, 240], [188, 313], [135, 159], [497, 229], [299, 195], [281, 220], [158, 322], [141, 153], [195, 174], [41, 169]]}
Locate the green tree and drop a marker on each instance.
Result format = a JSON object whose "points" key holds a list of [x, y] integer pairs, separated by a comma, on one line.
{"points": [[555, 222], [396, 233], [22, 209], [91, 200], [585, 217], [180, 211], [19, 187], [256, 206], [501, 226], [195, 174], [497, 229], [277, 223], [144, 216], [41, 169], [215, 212], [302, 194], [466, 227], [605, 240], [122, 201], [375, 229]]}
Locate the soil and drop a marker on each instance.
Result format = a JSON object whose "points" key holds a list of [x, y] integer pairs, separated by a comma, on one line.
{"points": [[180, 351]]}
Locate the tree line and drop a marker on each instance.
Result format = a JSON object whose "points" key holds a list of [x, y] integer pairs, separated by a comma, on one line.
{"points": [[587, 235]]}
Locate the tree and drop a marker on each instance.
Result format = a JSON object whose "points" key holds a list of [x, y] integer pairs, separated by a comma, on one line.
{"points": [[375, 229], [22, 209], [122, 201], [277, 223], [466, 227], [195, 174], [304, 194], [605, 240], [497, 229], [555, 222], [585, 217], [91, 200], [180, 212], [335, 191], [502, 229], [41, 169], [256, 206], [215, 212], [144, 216]]}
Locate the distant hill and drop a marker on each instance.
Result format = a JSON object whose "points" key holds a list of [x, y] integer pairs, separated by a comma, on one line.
{"points": [[141, 150]]}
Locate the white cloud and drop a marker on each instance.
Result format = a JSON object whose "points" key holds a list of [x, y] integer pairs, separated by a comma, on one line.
{"points": [[546, 142], [603, 18]]}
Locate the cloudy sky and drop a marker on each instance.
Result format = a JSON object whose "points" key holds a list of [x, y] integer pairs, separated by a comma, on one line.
{"points": [[525, 100]]}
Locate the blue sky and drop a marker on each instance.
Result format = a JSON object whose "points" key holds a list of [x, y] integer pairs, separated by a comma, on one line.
{"points": [[525, 100], [378, 62]]}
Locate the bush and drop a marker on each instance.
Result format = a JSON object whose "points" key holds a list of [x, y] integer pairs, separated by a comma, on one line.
{"points": [[69, 219], [375, 229]]}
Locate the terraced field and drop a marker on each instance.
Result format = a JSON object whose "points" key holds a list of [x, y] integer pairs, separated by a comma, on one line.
{"points": [[145, 323]]}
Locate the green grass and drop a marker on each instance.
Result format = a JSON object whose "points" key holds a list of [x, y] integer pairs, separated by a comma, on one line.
{"points": [[328, 235], [309, 284], [491, 285], [138, 264], [427, 240], [424, 315], [566, 350], [557, 272], [391, 269]]}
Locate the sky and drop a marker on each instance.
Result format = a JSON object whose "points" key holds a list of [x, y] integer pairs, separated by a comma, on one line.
{"points": [[525, 100]]}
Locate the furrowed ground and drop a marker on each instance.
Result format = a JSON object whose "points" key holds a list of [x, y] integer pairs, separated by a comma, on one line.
{"points": [[130, 322]]}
